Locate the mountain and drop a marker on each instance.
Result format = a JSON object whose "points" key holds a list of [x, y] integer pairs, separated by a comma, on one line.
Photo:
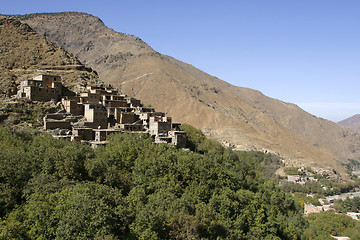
{"points": [[241, 116], [23, 53], [352, 122]]}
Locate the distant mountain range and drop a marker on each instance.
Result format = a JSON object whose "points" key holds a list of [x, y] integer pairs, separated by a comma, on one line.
{"points": [[352, 122], [241, 116]]}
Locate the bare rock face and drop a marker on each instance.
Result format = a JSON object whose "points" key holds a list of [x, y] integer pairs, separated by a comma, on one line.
{"points": [[23, 52], [240, 116]]}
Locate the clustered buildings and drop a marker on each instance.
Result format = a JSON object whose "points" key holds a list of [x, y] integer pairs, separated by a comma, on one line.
{"points": [[98, 111]]}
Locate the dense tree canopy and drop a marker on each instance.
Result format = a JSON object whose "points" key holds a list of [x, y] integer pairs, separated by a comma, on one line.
{"points": [[324, 224], [134, 189]]}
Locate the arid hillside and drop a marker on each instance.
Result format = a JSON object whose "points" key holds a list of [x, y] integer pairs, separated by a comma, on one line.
{"points": [[351, 122], [241, 116], [23, 52]]}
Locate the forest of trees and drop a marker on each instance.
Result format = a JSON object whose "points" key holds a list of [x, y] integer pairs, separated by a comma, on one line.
{"points": [[133, 189], [326, 224], [348, 205]]}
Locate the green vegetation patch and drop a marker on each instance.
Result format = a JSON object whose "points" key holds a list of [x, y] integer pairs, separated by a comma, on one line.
{"points": [[133, 189], [293, 171], [326, 224], [348, 205]]}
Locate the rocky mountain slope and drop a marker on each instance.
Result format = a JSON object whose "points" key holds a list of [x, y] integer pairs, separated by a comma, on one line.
{"points": [[242, 116], [351, 122], [23, 53]]}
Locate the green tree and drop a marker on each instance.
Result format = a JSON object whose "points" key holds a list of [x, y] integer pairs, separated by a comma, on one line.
{"points": [[328, 223], [197, 141], [15, 169], [60, 157], [81, 211]]}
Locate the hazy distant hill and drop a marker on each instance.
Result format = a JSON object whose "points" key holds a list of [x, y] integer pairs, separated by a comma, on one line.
{"points": [[242, 116], [351, 122], [23, 52]]}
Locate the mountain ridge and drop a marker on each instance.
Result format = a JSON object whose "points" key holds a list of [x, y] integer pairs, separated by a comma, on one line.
{"points": [[352, 122], [24, 53], [242, 116]]}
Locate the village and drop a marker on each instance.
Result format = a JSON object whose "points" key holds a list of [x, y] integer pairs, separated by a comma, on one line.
{"points": [[326, 203], [96, 112]]}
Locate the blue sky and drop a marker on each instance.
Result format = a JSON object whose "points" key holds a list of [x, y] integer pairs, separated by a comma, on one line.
{"points": [[305, 52]]}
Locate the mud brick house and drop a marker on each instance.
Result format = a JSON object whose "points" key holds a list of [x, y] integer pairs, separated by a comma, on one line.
{"points": [[99, 111]]}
